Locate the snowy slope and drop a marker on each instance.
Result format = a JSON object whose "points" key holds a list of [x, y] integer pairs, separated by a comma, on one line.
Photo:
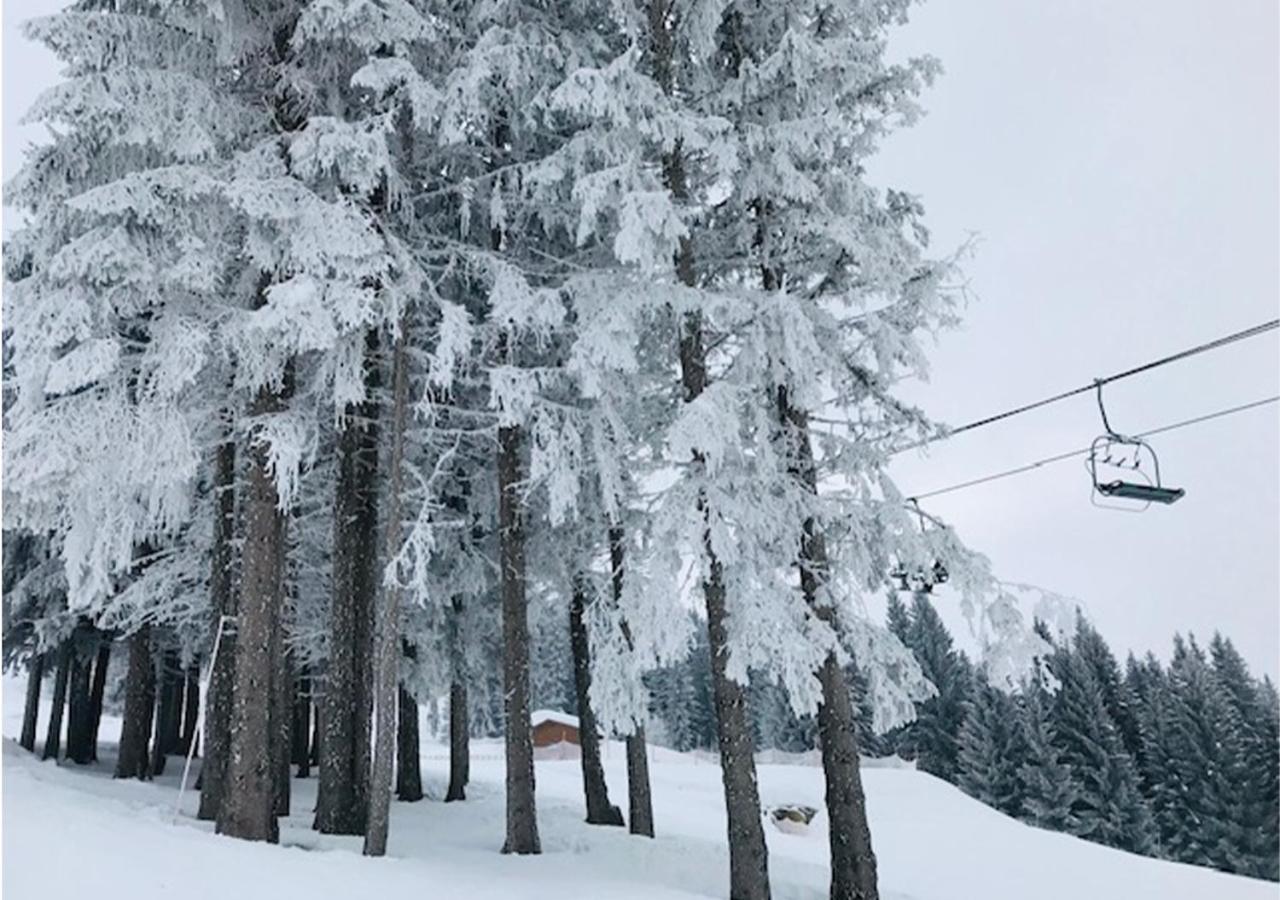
{"points": [[73, 832]]}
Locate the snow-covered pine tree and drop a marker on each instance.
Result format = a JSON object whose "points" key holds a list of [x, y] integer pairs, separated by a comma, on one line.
{"points": [[1110, 808], [1049, 792], [1254, 771], [933, 736], [989, 749]]}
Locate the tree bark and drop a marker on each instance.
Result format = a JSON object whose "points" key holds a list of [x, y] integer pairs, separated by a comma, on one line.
{"points": [[459, 717], [595, 789], [346, 705], [522, 819], [190, 709], [408, 764], [247, 807], [31, 709], [53, 737], [168, 711], [217, 720], [139, 706], [408, 751], [98, 692], [459, 743], [301, 751], [386, 655], [853, 862], [639, 794], [79, 708], [281, 713]]}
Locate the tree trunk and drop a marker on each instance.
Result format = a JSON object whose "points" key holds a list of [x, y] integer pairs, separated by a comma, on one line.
{"points": [[79, 709], [31, 710], [301, 731], [217, 720], [281, 714], [639, 794], [346, 707], [247, 807], [459, 718], [139, 706], [408, 751], [853, 862], [53, 737], [190, 709], [168, 711], [596, 790], [459, 743], [522, 818], [98, 692], [386, 655], [748, 853]]}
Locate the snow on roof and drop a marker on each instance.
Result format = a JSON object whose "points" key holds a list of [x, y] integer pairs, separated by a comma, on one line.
{"points": [[538, 716]]}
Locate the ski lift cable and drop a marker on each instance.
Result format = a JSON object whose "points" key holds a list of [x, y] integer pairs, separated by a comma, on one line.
{"points": [[1085, 450], [1261, 328]]}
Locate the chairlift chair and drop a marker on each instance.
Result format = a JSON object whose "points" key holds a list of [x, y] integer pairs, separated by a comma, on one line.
{"points": [[922, 580], [1113, 449]]}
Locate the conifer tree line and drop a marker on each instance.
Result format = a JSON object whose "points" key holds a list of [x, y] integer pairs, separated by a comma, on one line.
{"points": [[1178, 761], [348, 338]]}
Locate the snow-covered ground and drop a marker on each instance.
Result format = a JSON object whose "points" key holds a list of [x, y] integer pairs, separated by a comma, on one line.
{"points": [[72, 832]]}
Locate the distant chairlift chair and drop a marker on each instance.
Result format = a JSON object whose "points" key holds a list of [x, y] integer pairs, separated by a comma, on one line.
{"points": [[921, 580], [1113, 450]]}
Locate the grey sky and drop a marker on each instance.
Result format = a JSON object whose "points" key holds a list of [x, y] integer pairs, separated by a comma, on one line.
{"points": [[1118, 162]]}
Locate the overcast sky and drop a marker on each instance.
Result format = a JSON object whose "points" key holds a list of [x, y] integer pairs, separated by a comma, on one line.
{"points": [[1118, 165]]}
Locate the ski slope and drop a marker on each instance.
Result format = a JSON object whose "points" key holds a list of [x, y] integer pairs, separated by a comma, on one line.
{"points": [[72, 832]]}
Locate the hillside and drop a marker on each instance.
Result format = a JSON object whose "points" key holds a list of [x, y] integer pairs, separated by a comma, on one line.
{"points": [[71, 833]]}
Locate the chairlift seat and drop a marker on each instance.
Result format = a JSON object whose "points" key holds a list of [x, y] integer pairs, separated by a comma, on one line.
{"points": [[1148, 493]]}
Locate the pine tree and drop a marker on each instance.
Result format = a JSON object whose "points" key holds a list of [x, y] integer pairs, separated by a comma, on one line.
{"points": [[988, 750], [1049, 791], [935, 733], [1253, 775], [1110, 808]]}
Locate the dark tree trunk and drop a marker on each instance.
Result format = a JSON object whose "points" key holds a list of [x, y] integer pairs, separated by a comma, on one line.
{"points": [[80, 708], [596, 790], [315, 734], [386, 647], [301, 731], [168, 711], [459, 718], [31, 709], [190, 709], [748, 853], [459, 743], [281, 717], [346, 706], [522, 818], [408, 751], [98, 692], [139, 706], [53, 737], [639, 794], [247, 808], [217, 720], [853, 862]]}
